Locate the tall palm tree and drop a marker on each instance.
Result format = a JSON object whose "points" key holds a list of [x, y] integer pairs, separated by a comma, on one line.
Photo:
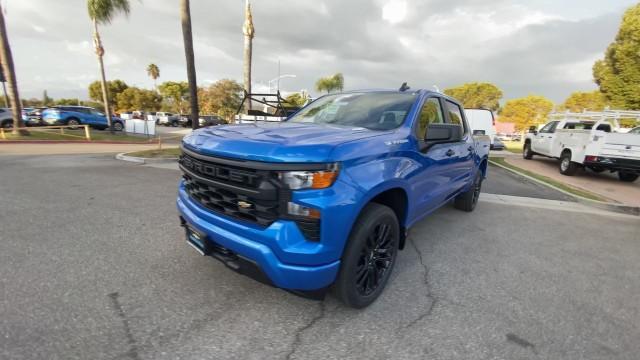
{"points": [[185, 15], [10, 74], [154, 72], [249, 32], [102, 12]]}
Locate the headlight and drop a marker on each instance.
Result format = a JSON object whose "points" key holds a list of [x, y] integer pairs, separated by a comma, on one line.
{"points": [[297, 180]]}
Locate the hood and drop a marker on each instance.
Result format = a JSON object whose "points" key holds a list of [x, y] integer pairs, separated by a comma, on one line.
{"points": [[274, 142]]}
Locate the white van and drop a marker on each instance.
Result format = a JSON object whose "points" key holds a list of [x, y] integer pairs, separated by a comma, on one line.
{"points": [[481, 120]]}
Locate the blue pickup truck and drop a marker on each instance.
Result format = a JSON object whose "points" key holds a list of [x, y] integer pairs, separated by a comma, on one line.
{"points": [[325, 198], [79, 115]]}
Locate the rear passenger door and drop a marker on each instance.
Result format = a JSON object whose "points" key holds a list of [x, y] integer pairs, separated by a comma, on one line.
{"points": [[463, 151]]}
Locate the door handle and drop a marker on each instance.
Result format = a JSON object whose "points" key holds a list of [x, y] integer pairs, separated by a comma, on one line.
{"points": [[449, 152]]}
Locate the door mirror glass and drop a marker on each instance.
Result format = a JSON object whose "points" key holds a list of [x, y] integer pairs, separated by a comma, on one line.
{"points": [[533, 130], [479, 132]]}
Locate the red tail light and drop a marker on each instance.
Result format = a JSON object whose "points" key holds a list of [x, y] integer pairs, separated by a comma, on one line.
{"points": [[591, 158]]}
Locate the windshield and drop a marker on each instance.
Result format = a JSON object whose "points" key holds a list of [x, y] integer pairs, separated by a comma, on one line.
{"points": [[374, 111]]}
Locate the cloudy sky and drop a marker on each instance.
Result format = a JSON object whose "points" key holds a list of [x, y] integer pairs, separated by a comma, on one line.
{"points": [[544, 47]]}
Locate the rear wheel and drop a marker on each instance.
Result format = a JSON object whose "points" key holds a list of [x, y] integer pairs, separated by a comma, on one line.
{"points": [[117, 126], [627, 177], [467, 201], [369, 256], [526, 151], [567, 167]]}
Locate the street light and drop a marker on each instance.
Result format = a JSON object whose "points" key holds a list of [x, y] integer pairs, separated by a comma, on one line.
{"points": [[278, 80]]}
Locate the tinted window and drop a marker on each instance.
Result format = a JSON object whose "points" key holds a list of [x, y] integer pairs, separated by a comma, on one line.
{"points": [[455, 114], [375, 110], [550, 127], [635, 131], [431, 113]]}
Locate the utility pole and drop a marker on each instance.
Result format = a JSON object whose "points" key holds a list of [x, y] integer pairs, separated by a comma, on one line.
{"points": [[249, 33]]}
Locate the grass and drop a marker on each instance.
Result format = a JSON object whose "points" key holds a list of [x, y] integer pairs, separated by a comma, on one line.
{"points": [[550, 181], [156, 153], [513, 146], [55, 135]]}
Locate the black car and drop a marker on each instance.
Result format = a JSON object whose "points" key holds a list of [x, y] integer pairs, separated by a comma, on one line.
{"points": [[497, 144], [205, 120]]}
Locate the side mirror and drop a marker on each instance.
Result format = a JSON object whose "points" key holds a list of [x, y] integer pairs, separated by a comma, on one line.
{"points": [[533, 130], [479, 132], [442, 133]]}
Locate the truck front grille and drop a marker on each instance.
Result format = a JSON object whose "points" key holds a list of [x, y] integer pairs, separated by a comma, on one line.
{"points": [[226, 202]]}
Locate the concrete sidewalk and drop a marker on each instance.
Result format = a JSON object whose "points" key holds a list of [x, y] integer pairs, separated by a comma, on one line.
{"points": [[604, 184], [68, 148]]}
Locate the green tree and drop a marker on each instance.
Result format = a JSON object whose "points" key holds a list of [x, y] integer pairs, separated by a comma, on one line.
{"points": [[223, 98], [9, 71], [175, 93], [618, 74], [46, 100], [579, 101], [134, 98], [66, 102], [154, 72], [526, 111], [102, 12], [296, 99], [330, 83], [477, 95], [114, 88]]}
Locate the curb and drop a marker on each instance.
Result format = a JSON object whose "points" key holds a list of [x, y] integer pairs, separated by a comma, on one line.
{"points": [[141, 161], [74, 142], [624, 209]]}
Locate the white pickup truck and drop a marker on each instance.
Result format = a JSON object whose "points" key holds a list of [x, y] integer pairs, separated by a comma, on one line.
{"points": [[591, 139]]}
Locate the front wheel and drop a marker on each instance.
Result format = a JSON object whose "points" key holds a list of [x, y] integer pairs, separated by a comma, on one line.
{"points": [[73, 123], [369, 256], [526, 151], [627, 177], [117, 126]]}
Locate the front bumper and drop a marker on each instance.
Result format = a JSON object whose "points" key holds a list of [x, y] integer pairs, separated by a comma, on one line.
{"points": [[614, 164], [258, 248]]}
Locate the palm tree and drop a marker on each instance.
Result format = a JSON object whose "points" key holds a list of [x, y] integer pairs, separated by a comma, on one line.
{"points": [[10, 74], [154, 72], [102, 12], [249, 33], [185, 15]]}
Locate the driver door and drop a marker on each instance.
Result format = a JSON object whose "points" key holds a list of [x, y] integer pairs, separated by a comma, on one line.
{"points": [[545, 137]]}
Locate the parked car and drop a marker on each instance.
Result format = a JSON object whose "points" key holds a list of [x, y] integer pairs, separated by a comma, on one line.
{"points": [[497, 144], [6, 118], [482, 120], [205, 120], [635, 130], [579, 141], [328, 196], [167, 119], [80, 115], [33, 116]]}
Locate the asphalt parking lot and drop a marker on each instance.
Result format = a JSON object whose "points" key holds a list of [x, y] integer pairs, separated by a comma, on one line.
{"points": [[93, 265]]}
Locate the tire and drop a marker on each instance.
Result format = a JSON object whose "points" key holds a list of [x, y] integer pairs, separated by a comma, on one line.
{"points": [[73, 122], [467, 200], [118, 126], [8, 124], [526, 151], [567, 167], [369, 256], [627, 177], [174, 124]]}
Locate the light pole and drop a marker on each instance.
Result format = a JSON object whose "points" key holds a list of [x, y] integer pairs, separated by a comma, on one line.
{"points": [[278, 80]]}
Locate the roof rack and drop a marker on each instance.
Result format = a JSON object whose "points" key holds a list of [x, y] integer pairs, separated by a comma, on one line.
{"points": [[274, 101]]}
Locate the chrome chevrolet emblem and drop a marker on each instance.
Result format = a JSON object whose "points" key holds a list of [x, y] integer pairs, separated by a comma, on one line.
{"points": [[244, 204]]}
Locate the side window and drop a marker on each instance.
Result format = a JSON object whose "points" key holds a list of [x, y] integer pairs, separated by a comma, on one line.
{"points": [[455, 114], [550, 127], [431, 113]]}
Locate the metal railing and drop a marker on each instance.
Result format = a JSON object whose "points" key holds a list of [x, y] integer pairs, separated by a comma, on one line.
{"points": [[61, 128]]}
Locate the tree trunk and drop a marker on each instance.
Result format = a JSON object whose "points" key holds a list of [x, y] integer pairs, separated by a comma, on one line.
{"points": [[10, 74], [105, 94], [185, 14]]}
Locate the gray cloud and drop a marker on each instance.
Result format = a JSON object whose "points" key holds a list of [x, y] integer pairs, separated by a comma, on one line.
{"points": [[522, 47]]}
